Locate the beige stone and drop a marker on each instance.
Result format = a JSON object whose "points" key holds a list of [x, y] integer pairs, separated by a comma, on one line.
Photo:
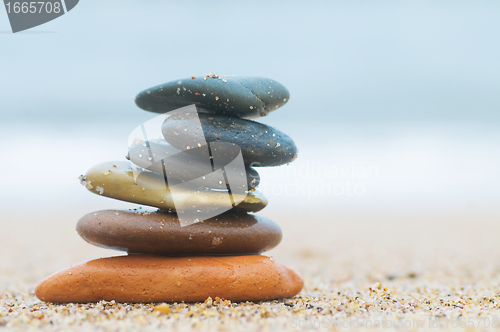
{"points": [[115, 179]]}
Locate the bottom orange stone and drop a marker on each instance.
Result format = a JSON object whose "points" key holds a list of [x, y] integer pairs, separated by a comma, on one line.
{"points": [[142, 278]]}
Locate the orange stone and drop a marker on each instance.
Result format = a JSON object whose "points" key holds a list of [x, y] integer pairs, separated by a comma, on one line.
{"points": [[141, 278]]}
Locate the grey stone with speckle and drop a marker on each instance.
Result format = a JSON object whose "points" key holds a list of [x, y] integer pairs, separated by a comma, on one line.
{"points": [[245, 97], [261, 145]]}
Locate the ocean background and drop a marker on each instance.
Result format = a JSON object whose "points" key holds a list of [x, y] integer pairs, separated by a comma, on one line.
{"points": [[394, 107]]}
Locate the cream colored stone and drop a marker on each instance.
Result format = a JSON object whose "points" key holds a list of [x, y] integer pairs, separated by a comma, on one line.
{"points": [[115, 179]]}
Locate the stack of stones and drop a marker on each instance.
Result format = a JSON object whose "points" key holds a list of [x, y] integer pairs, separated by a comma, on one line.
{"points": [[218, 257]]}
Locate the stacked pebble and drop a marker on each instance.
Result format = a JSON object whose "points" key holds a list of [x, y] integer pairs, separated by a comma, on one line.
{"points": [[217, 257]]}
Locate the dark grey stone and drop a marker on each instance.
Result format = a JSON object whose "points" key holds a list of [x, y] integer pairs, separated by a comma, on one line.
{"points": [[245, 97], [261, 145]]}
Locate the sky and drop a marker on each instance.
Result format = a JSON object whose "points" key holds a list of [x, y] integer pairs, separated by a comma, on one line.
{"points": [[404, 92]]}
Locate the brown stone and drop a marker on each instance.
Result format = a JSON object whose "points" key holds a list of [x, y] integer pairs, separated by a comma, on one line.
{"points": [[139, 278], [231, 233]]}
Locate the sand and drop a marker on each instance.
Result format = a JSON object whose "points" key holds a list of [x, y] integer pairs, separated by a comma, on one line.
{"points": [[415, 271]]}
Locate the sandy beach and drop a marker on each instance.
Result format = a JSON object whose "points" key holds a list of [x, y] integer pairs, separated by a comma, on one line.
{"points": [[360, 271]]}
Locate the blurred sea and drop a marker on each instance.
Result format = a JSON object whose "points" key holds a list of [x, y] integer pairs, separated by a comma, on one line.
{"points": [[350, 167]]}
